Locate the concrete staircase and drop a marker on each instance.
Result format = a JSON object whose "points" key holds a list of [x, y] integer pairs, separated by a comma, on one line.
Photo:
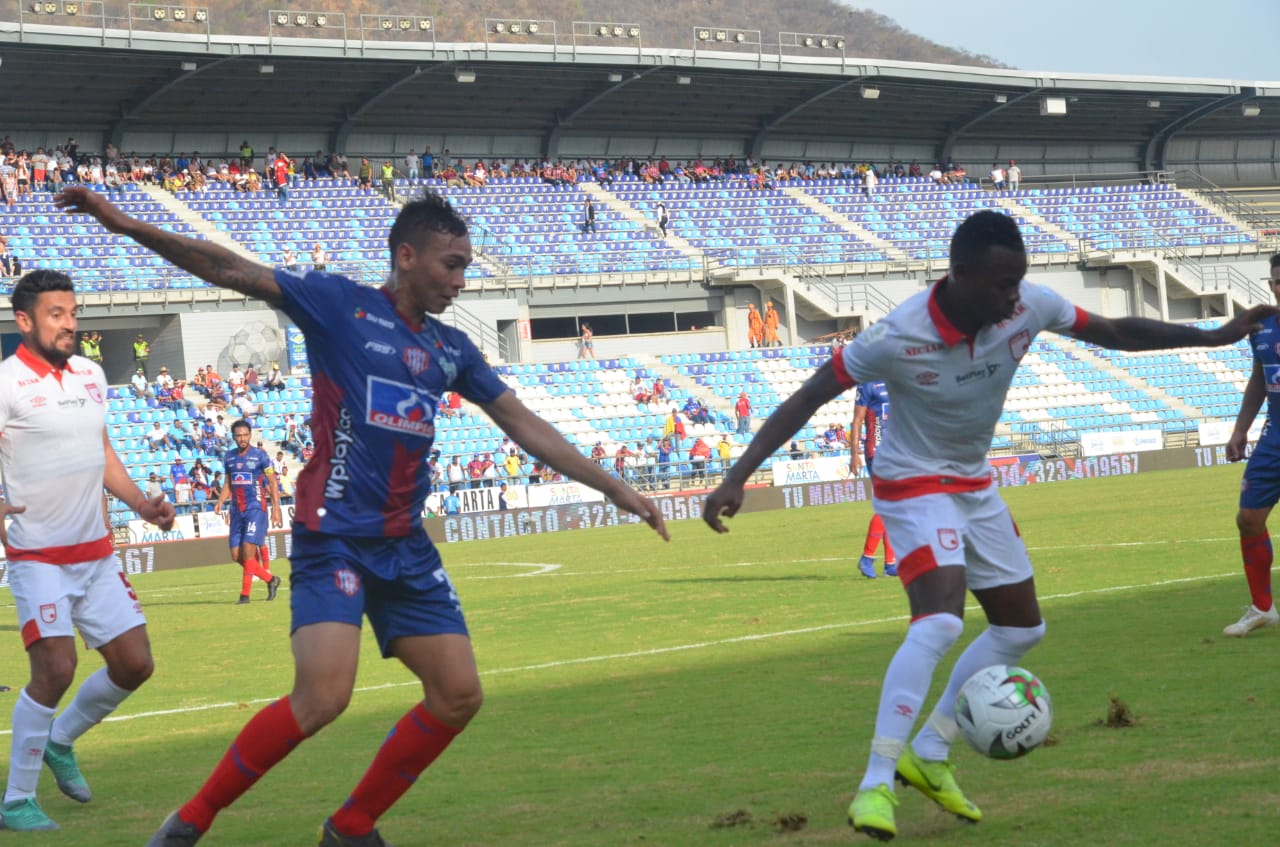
{"points": [[606, 200], [717, 405], [1032, 217], [185, 213], [845, 223]]}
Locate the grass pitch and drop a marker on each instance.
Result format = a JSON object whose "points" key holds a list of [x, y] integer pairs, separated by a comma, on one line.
{"points": [[721, 691]]}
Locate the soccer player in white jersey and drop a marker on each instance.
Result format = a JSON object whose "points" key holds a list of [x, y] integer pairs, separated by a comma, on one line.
{"points": [[947, 356], [56, 459]]}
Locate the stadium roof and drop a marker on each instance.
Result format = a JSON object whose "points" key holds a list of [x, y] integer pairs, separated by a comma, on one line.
{"points": [[120, 81]]}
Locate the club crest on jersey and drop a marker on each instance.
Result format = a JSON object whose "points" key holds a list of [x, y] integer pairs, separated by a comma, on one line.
{"points": [[416, 359], [94, 394], [401, 408], [927, 378], [347, 581], [48, 613], [242, 478], [948, 539], [1020, 344]]}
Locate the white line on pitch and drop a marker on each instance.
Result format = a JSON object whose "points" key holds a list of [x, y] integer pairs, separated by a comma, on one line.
{"points": [[677, 648]]}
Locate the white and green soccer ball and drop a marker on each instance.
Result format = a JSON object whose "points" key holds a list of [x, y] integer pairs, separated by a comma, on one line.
{"points": [[1004, 711]]}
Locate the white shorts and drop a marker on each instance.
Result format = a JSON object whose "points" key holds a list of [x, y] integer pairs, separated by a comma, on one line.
{"points": [[972, 529], [93, 597]]}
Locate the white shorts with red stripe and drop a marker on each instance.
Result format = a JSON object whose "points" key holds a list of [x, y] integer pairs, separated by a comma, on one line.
{"points": [[55, 600], [972, 529]]}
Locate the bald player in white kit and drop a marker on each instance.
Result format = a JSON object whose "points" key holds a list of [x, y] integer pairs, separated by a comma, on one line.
{"points": [[56, 459], [947, 356]]}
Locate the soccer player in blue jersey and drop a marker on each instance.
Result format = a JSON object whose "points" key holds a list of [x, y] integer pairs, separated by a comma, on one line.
{"points": [[251, 479], [871, 410], [1260, 488], [380, 364]]}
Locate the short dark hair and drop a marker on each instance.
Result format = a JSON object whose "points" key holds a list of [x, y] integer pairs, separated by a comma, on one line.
{"points": [[35, 283], [239, 424], [429, 213], [980, 232], [1275, 261]]}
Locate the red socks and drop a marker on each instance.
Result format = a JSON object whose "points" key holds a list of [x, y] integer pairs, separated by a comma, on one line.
{"points": [[875, 534], [1256, 552], [253, 568], [266, 739], [414, 743]]}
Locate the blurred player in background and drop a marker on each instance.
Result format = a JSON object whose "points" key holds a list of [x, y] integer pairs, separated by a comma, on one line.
{"points": [[251, 480], [871, 411], [1260, 488]]}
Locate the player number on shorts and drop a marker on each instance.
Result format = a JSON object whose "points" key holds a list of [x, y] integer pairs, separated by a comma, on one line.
{"points": [[443, 577], [133, 595]]}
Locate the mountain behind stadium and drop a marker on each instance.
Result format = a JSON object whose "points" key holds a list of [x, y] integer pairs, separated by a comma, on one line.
{"points": [[868, 35]]}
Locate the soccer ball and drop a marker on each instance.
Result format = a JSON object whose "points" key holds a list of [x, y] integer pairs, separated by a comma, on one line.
{"points": [[257, 342], [1004, 711]]}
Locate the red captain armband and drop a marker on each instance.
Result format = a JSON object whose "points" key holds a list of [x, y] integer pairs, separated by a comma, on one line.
{"points": [[842, 373]]}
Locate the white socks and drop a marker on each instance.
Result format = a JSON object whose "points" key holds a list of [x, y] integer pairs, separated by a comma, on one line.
{"points": [[30, 734], [906, 683], [997, 645], [96, 698]]}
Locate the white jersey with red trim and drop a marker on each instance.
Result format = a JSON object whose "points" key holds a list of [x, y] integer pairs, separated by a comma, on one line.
{"points": [[52, 457], [948, 389]]}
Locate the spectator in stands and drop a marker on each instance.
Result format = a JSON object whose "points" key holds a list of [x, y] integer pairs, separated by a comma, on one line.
{"points": [[956, 173], [389, 180], [598, 454], [640, 389], [10, 266], [475, 472], [274, 380], [289, 260], [140, 386], [724, 452], [182, 435], [488, 470], [673, 429], [699, 454], [252, 381], [158, 438], [86, 344], [1013, 176], [155, 488], [412, 164], [795, 452], [869, 182], [246, 156], [742, 409], [586, 343], [938, 176], [338, 166], [235, 379], [696, 411], [589, 216], [452, 504], [659, 392], [621, 462], [364, 176], [280, 171], [245, 405], [997, 177], [513, 466], [319, 259], [663, 461], [455, 474], [661, 216]]}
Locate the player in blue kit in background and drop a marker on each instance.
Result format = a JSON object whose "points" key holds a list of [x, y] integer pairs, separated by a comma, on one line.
{"points": [[871, 410], [251, 479], [1260, 488], [380, 364]]}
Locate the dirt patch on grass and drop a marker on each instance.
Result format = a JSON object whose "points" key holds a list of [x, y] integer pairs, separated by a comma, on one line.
{"points": [[741, 817]]}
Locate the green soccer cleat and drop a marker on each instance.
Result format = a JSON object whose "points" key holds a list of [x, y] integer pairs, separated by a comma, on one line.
{"points": [[871, 812], [330, 837], [937, 781], [61, 759], [24, 816]]}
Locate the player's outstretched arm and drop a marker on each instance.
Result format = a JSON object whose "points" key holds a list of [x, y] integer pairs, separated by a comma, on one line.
{"points": [[117, 480], [1255, 392], [204, 259], [1148, 334], [541, 439], [778, 429]]}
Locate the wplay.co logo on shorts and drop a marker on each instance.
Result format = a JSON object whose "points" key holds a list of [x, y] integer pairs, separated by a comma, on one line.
{"points": [[401, 408]]}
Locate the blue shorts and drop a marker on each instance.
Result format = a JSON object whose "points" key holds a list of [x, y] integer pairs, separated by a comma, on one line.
{"points": [[399, 583], [248, 528], [1260, 488]]}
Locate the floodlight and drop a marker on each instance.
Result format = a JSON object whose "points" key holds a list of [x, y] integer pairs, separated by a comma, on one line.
{"points": [[684, 80], [387, 23], [839, 43], [158, 14], [282, 19], [1153, 103], [500, 27], [404, 24], [739, 37], [51, 8], [614, 76], [704, 34], [71, 8], [808, 41], [870, 92], [824, 43], [189, 66], [321, 20], [633, 32], [533, 28], [179, 14], [1053, 106], [424, 23], [266, 69], [602, 31], [516, 27], [617, 32], [300, 20], [202, 15], [464, 75], [1001, 98], [1250, 110], [721, 35]]}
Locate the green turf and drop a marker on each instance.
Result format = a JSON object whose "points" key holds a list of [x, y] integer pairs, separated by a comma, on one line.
{"points": [[640, 693]]}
